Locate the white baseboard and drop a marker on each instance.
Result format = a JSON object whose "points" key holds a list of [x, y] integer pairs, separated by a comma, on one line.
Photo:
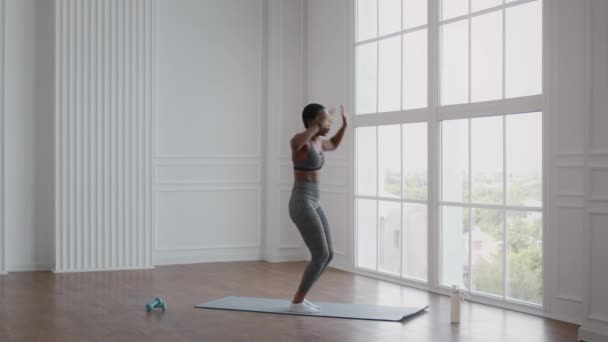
{"points": [[339, 262], [284, 255], [108, 269], [589, 335], [30, 267], [179, 257], [564, 318]]}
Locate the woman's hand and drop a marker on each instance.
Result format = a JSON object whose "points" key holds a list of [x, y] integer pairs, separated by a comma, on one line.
{"points": [[344, 116]]}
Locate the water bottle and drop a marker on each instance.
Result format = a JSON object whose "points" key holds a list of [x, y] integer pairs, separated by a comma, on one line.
{"points": [[455, 305]]}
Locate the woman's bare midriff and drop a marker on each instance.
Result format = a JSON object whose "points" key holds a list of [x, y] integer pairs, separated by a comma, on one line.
{"points": [[306, 176]]}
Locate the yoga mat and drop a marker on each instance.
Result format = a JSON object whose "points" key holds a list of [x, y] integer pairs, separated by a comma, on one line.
{"points": [[337, 310]]}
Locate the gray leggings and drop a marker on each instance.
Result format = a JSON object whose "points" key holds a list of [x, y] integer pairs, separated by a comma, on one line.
{"points": [[307, 214]]}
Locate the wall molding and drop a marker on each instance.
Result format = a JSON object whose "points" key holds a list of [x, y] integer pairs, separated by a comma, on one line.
{"points": [[210, 188], [206, 162], [208, 247], [598, 318], [587, 334], [206, 255], [284, 246], [206, 156], [568, 298], [574, 203], [599, 153], [214, 178], [159, 186], [573, 195]]}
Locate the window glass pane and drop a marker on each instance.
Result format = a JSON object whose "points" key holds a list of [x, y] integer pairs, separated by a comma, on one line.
{"points": [[487, 251], [389, 229], [367, 78], [390, 16], [455, 160], [455, 246], [389, 92], [366, 233], [455, 63], [486, 57], [366, 161], [487, 160], [478, 5], [367, 19], [414, 13], [415, 70], [524, 256], [454, 8], [524, 159], [389, 161], [415, 241], [415, 161], [523, 50]]}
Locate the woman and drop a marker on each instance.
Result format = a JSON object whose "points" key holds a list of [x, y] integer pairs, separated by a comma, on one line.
{"points": [[307, 155]]}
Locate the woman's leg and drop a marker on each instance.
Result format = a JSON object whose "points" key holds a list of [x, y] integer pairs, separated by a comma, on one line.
{"points": [[327, 232], [311, 228]]}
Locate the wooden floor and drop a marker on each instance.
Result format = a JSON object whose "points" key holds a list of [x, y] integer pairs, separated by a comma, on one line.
{"points": [[109, 306]]}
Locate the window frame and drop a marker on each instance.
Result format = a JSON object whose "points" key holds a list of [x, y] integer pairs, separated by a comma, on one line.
{"points": [[433, 114]]}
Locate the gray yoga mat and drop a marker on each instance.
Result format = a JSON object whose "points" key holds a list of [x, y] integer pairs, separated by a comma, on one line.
{"points": [[279, 306]]}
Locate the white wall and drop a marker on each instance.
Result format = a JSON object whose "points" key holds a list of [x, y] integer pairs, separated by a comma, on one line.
{"points": [[329, 57], [595, 157], [577, 88], [208, 146], [28, 140], [285, 100]]}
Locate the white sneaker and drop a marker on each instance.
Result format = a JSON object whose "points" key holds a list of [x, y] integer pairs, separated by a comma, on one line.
{"points": [[309, 303], [302, 308]]}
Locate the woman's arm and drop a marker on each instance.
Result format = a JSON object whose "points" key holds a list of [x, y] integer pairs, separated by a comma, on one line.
{"points": [[334, 142], [301, 139]]}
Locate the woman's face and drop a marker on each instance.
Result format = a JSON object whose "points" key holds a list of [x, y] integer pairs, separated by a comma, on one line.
{"points": [[325, 120]]}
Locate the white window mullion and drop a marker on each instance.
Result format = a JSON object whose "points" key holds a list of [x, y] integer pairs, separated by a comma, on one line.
{"points": [[470, 186], [505, 248], [504, 52], [526, 104], [433, 268], [469, 53], [401, 197], [484, 11], [402, 66], [377, 58], [377, 147], [391, 35], [490, 206], [391, 118], [377, 202]]}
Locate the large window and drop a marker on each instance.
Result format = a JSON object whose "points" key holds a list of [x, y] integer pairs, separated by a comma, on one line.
{"points": [[464, 77]]}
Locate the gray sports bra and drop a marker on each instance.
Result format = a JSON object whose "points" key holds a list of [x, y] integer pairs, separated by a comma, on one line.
{"points": [[313, 161]]}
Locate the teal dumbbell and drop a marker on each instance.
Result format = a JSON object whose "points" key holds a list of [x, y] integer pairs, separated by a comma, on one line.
{"points": [[157, 303]]}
